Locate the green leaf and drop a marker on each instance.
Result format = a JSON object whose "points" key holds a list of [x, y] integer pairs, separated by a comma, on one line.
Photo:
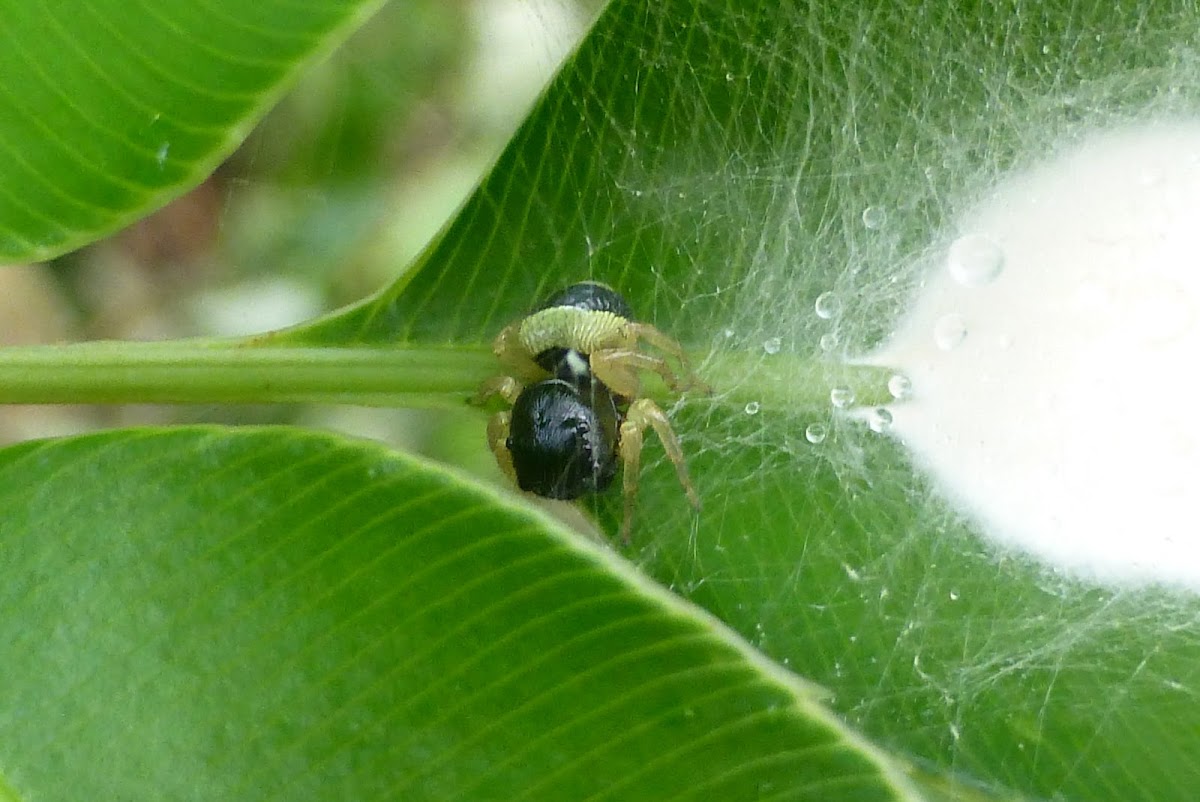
{"points": [[271, 614], [109, 109], [723, 165]]}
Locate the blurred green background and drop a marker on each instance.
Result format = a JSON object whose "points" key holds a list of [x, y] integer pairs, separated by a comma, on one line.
{"points": [[329, 199]]}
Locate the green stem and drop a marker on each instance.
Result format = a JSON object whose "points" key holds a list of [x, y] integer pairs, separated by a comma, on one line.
{"points": [[792, 383], [260, 371], [217, 371]]}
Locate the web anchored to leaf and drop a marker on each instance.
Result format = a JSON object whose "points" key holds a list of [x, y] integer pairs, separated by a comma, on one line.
{"points": [[938, 265], [778, 188]]}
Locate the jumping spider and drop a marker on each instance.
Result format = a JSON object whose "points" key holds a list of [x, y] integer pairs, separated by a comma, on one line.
{"points": [[574, 391]]}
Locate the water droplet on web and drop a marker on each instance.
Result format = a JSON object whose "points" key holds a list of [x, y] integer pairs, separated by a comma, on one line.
{"points": [[753, 407], [900, 386], [841, 397], [728, 334], [880, 420], [975, 260], [874, 217], [816, 433], [949, 331], [828, 306], [772, 345], [829, 341]]}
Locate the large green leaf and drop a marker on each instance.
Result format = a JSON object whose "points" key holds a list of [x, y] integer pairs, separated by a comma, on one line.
{"points": [[273, 614], [109, 109], [723, 164]]}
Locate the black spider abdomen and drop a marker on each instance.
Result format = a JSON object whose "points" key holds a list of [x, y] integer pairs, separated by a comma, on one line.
{"points": [[563, 447], [593, 296]]}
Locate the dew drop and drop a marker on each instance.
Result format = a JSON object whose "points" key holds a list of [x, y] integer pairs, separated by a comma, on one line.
{"points": [[874, 217], [772, 345], [880, 421], [900, 386], [828, 306], [829, 341], [949, 331], [841, 397], [728, 334], [753, 407], [975, 260], [816, 433]]}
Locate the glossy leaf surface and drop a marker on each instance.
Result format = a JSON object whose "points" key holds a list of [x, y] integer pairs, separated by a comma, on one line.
{"points": [[273, 614], [110, 109], [724, 165]]}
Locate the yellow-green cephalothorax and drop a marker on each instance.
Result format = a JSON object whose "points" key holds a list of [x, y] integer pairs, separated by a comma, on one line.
{"points": [[582, 330]]}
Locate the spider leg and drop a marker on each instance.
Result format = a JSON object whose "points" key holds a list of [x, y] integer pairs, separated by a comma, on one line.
{"points": [[649, 334], [618, 367], [508, 349], [497, 434], [643, 413], [506, 387]]}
